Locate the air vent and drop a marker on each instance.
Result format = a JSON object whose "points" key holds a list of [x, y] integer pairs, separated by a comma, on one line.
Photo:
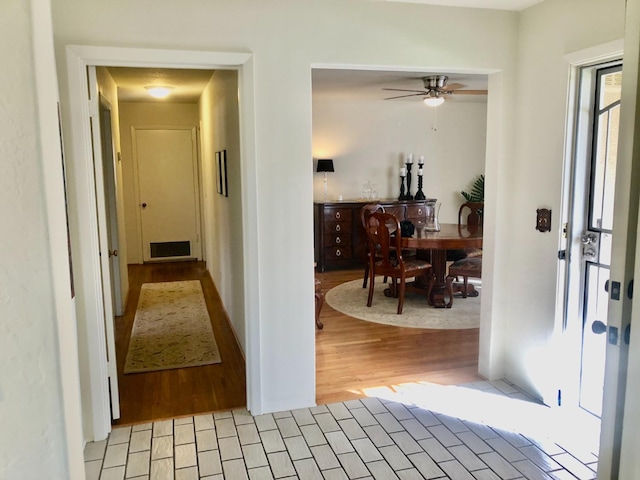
{"points": [[170, 249]]}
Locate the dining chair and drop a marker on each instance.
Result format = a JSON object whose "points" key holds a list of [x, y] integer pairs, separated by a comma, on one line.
{"points": [[385, 256], [470, 263]]}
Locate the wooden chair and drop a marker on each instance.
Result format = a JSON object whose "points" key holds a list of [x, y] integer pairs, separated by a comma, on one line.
{"points": [[319, 302], [384, 236], [471, 264]]}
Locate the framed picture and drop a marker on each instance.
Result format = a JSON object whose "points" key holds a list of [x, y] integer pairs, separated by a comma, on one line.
{"points": [[221, 173]]}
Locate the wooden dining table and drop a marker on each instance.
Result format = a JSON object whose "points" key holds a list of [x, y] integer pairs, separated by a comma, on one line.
{"points": [[432, 247]]}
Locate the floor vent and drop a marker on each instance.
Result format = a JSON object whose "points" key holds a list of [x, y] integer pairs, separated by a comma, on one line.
{"points": [[170, 249]]}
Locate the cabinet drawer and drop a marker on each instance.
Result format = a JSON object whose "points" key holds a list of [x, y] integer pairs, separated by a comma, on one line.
{"points": [[337, 214], [339, 240], [337, 253], [416, 212], [397, 212], [337, 227]]}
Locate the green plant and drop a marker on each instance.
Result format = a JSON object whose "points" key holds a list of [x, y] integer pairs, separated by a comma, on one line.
{"points": [[476, 193]]}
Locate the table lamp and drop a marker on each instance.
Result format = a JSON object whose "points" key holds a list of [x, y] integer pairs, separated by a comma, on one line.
{"points": [[325, 165]]}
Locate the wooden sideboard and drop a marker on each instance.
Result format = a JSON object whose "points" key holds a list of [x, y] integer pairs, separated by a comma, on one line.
{"points": [[340, 240]]}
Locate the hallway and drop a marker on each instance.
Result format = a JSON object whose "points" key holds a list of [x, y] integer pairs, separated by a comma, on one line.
{"points": [[164, 394]]}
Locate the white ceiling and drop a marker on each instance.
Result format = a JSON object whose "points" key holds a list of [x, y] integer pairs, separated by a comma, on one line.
{"points": [[493, 4]]}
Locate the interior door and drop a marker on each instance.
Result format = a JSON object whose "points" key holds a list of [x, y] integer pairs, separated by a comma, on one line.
{"points": [[168, 193], [103, 240]]}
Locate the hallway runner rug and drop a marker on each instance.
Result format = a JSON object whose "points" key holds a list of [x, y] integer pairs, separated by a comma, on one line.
{"points": [[171, 329], [351, 299]]}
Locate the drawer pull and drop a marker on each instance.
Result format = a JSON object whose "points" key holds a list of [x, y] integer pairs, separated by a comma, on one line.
{"points": [[338, 215], [419, 211], [338, 228], [338, 240], [338, 252]]}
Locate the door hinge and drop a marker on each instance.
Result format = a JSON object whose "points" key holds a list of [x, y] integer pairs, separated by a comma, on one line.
{"points": [[562, 255]]}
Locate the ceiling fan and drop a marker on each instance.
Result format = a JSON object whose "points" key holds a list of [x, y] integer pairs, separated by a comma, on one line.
{"points": [[435, 90]]}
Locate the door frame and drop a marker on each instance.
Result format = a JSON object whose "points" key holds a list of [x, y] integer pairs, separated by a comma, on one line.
{"points": [[196, 176], [96, 411]]}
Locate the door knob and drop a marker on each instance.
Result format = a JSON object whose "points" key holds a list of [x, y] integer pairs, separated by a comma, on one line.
{"points": [[588, 238], [144, 205], [598, 327]]}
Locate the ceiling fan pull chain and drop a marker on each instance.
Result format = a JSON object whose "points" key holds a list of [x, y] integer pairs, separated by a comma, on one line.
{"points": [[434, 126]]}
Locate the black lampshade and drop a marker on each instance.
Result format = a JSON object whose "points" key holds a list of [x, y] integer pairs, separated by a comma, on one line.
{"points": [[325, 165]]}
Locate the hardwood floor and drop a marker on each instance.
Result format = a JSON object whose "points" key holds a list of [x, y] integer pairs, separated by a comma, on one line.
{"points": [[353, 355], [185, 391]]}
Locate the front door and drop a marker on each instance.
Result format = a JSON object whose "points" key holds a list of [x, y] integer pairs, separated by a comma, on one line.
{"points": [[168, 193]]}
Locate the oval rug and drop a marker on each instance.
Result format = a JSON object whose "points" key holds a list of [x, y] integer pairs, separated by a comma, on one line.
{"points": [[351, 299]]}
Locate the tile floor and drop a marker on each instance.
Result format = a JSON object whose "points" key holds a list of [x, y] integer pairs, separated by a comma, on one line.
{"points": [[479, 431]]}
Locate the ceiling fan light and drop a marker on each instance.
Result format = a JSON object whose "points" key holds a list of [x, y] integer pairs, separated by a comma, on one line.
{"points": [[434, 101], [159, 91]]}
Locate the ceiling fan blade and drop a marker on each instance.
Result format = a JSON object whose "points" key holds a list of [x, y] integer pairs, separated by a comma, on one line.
{"points": [[423, 92], [452, 86], [410, 95], [469, 92]]}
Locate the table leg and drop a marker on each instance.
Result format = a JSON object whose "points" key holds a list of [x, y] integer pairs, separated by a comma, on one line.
{"points": [[441, 295]]}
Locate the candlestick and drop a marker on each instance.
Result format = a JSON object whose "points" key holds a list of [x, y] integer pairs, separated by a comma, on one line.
{"points": [[409, 196], [419, 193], [402, 197]]}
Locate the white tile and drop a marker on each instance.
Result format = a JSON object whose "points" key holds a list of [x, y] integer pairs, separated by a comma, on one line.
{"points": [[142, 426], [303, 417], [381, 470], [226, 427], [206, 440], [116, 455], [406, 443], [467, 458], [119, 435], [335, 474], [504, 448], [234, 469], [163, 428], [490, 475], [351, 404], [474, 442], [115, 473], [352, 429], [297, 448], [183, 421], [373, 405], [209, 463], [318, 409], [242, 417], [327, 423], [366, 449], [254, 455], [284, 414], [162, 469], [425, 417], [203, 422], [313, 435], [364, 417], [229, 448], [262, 473], [411, 474], [454, 469], [92, 469], [339, 411], [389, 422], [161, 447], [325, 458], [399, 411], [444, 436], [138, 464], [353, 465], [378, 436], [281, 464], [213, 477], [435, 450], [94, 450], [574, 466], [248, 433], [425, 465], [394, 457], [416, 429], [265, 422], [288, 427], [221, 415], [339, 442], [454, 424], [183, 434], [307, 469], [190, 473], [140, 441], [499, 465], [272, 441], [531, 471], [185, 455], [541, 459]]}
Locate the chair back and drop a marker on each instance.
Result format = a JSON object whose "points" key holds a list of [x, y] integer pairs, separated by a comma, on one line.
{"points": [[474, 218], [367, 209], [384, 235]]}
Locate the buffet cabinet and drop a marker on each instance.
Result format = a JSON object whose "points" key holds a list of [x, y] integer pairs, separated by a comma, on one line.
{"points": [[339, 238]]}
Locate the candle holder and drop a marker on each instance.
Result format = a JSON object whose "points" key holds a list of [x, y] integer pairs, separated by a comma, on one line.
{"points": [[419, 193], [408, 196], [402, 196]]}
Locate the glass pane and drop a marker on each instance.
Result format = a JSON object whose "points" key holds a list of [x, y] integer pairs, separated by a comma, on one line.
{"points": [[599, 170], [610, 168], [610, 89], [606, 242]]}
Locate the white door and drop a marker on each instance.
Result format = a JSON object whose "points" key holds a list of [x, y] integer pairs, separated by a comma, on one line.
{"points": [[168, 196], [103, 240]]}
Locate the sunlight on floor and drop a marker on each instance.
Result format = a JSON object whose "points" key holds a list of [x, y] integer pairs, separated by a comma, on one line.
{"points": [[512, 413]]}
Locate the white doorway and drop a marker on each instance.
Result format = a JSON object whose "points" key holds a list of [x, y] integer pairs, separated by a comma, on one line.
{"points": [[167, 192]]}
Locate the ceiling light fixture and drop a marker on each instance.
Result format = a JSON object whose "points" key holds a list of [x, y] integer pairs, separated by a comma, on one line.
{"points": [[158, 91], [433, 101]]}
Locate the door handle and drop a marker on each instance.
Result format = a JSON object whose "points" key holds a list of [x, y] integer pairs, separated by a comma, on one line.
{"points": [[113, 253], [598, 327]]}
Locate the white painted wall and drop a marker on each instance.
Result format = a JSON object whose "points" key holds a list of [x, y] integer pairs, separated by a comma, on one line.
{"points": [[40, 437], [286, 43], [156, 113], [368, 140], [548, 31], [223, 215]]}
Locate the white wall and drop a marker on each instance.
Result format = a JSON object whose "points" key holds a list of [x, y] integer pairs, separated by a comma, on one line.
{"points": [[548, 31], [138, 114], [35, 440], [223, 215], [368, 140]]}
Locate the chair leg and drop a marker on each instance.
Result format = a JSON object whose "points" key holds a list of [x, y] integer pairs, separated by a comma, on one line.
{"points": [[465, 281], [401, 295], [432, 282], [366, 275], [372, 281], [319, 303], [449, 281]]}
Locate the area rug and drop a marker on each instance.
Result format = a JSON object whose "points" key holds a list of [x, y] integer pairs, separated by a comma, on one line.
{"points": [[351, 299], [171, 329]]}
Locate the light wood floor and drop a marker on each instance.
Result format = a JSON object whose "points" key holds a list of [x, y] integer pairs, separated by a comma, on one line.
{"points": [[351, 355], [184, 391]]}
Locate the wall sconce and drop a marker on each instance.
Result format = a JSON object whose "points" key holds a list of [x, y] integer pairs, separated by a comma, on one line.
{"points": [[158, 91], [325, 165]]}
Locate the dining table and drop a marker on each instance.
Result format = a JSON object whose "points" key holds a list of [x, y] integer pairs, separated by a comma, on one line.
{"points": [[432, 247]]}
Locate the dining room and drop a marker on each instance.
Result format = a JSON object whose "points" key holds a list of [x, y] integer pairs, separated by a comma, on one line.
{"points": [[414, 160]]}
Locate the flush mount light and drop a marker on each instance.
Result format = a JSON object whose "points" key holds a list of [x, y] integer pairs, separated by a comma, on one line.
{"points": [[434, 101], [158, 91]]}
